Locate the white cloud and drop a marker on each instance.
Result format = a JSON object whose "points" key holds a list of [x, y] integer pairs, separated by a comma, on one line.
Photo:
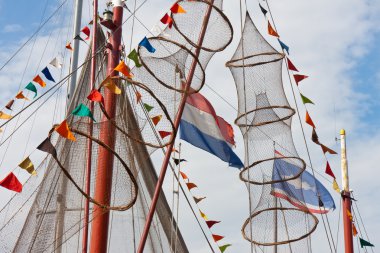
{"points": [[12, 28]]}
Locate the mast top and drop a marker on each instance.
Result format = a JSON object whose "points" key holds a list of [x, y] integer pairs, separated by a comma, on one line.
{"points": [[342, 132]]}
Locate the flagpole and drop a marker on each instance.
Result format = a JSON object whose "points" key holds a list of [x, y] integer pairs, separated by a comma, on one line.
{"points": [[346, 196], [177, 120]]}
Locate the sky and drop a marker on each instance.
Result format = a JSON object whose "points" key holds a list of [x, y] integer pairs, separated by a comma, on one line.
{"points": [[333, 42]]}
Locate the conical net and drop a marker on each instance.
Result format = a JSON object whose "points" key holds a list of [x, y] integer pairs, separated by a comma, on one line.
{"points": [[48, 216], [271, 162]]}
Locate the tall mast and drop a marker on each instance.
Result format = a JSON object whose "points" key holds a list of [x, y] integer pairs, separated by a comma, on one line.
{"points": [[103, 182], [346, 198], [75, 54]]}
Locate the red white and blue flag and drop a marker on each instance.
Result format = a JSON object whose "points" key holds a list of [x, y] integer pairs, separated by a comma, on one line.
{"points": [[201, 127], [305, 192]]}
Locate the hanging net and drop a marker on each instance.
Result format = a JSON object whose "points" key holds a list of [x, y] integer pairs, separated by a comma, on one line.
{"points": [[271, 162]]}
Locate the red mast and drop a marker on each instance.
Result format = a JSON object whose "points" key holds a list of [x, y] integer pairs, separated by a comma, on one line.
{"points": [[346, 197], [103, 184]]}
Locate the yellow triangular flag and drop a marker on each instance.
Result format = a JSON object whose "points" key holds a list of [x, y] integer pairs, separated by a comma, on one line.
{"points": [[203, 215], [349, 214], [336, 186], [4, 115], [110, 84], [28, 166], [21, 95]]}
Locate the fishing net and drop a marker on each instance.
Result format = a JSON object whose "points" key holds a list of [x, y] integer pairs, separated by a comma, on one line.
{"points": [[52, 211], [271, 163]]}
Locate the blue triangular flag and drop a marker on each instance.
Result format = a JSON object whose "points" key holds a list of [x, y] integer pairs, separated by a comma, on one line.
{"points": [[145, 43], [47, 74], [283, 46]]}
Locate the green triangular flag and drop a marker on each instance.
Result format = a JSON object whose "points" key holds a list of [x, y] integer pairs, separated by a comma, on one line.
{"points": [[224, 247], [305, 100], [148, 107], [365, 243], [135, 57], [83, 111], [33, 88]]}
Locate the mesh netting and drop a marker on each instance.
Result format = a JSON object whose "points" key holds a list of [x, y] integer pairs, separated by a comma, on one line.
{"points": [[52, 211], [271, 162]]}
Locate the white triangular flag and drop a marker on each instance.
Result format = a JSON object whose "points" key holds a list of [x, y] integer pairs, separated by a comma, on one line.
{"points": [[55, 62]]}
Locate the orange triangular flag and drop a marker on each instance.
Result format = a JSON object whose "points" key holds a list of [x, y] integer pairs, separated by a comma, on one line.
{"points": [[354, 230], [110, 84], [191, 185], [122, 68], [164, 134], [38, 79], [184, 176], [64, 131], [68, 46], [176, 8], [20, 95], [217, 237], [271, 31], [349, 214], [156, 119], [4, 115], [308, 120], [138, 97], [328, 150]]}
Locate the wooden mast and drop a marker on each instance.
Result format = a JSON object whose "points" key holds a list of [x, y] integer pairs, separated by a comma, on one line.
{"points": [[346, 196], [103, 184]]}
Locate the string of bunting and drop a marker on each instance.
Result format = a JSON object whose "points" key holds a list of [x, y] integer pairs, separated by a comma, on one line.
{"points": [[305, 100], [210, 223]]}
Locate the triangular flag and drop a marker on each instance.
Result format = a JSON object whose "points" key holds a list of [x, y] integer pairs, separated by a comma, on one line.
{"points": [[21, 95], [1, 130], [184, 176], [191, 186], [271, 31], [47, 74], [328, 170], [138, 97], [354, 230], [55, 62], [349, 214], [224, 247], [283, 46], [328, 150], [306, 100], [145, 43], [314, 137], [9, 105], [4, 115], [298, 78], [197, 200], [217, 237], [68, 46], [110, 84], [164, 134], [122, 68], [64, 131], [96, 96], [211, 223], [291, 65], [135, 58], [38, 79], [167, 20], [203, 215], [148, 107], [47, 147], [83, 111], [156, 119], [364, 243], [176, 8], [177, 161], [308, 120], [336, 186], [86, 31], [264, 11], [32, 88], [11, 183], [28, 166], [78, 37]]}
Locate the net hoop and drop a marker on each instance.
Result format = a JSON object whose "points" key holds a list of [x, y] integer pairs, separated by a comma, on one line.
{"points": [[284, 107], [233, 63]]}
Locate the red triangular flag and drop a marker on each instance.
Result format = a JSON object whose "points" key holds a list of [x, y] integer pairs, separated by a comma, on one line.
{"points": [[11, 183], [163, 134], [176, 8], [96, 96], [308, 120], [217, 237], [86, 31], [167, 20], [326, 149], [291, 65], [68, 46], [191, 185], [299, 78], [211, 223], [271, 31], [328, 171]]}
